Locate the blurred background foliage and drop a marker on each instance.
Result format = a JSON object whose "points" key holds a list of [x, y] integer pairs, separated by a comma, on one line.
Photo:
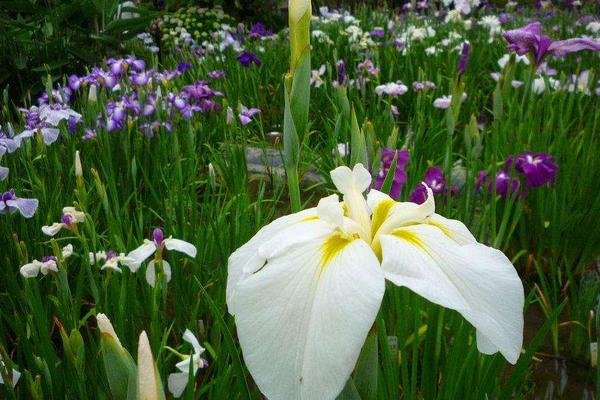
{"points": [[41, 38], [57, 37]]}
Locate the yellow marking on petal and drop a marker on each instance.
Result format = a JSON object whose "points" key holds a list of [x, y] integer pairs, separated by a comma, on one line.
{"points": [[380, 214], [409, 237], [442, 228], [332, 247], [345, 208], [311, 218]]}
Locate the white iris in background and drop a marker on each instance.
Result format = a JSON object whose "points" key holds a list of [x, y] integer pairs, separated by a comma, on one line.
{"points": [[156, 245], [306, 289], [178, 381]]}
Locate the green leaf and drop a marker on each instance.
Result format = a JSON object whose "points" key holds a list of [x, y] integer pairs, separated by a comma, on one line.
{"points": [[300, 94], [119, 367], [350, 392], [358, 145], [365, 374], [389, 178]]}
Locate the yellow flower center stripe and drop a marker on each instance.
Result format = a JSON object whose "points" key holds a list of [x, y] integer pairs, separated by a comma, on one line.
{"points": [[380, 214], [332, 247], [409, 237]]}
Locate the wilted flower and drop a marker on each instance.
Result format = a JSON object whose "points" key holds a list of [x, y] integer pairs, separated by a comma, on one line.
{"points": [[304, 343], [179, 380], [399, 179], [70, 218], [156, 245], [10, 204]]}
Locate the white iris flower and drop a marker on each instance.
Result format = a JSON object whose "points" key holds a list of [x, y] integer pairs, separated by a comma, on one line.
{"points": [[306, 289]]}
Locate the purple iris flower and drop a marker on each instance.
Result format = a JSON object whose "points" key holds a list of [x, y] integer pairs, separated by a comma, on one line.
{"points": [[246, 58], [529, 39], [246, 114], [399, 179], [341, 72], [183, 66], [217, 74], [419, 194], [463, 61], [258, 31], [10, 204], [434, 178], [139, 79], [504, 182], [378, 33], [74, 82], [539, 169]]}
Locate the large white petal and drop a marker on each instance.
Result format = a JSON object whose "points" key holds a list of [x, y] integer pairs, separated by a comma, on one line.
{"points": [[477, 281], [31, 270], [151, 272], [140, 254], [52, 229], [177, 383], [180, 246], [246, 258], [303, 318]]}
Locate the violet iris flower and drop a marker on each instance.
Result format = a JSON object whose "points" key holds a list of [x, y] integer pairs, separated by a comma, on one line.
{"points": [[341, 73], [504, 182], [246, 114], [463, 61], [10, 204], [539, 169], [529, 39], [247, 58], [399, 180], [183, 66], [434, 179]]}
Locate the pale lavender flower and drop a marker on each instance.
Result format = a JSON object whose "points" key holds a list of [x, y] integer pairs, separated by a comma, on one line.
{"points": [[10, 204], [246, 114]]}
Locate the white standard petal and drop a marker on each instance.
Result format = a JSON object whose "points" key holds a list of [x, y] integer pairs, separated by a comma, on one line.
{"points": [[246, 260], [352, 184], [477, 281], [180, 246], [189, 337], [52, 229], [151, 272], [140, 254], [177, 383], [303, 318]]}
